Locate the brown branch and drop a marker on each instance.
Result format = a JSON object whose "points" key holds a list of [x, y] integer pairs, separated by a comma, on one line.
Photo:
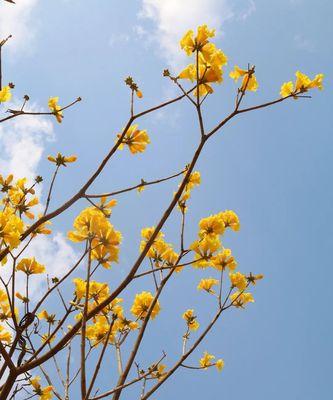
{"points": [[142, 184]]}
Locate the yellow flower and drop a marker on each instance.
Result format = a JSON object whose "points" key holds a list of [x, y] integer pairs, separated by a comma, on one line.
{"points": [[240, 299], [303, 84], [92, 224], [207, 284], [5, 336], [24, 299], [135, 139], [211, 226], [141, 304], [55, 108], [287, 89], [204, 250], [42, 229], [43, 393], [5, 94], [206, 360], [106, 206], [223, 260], [49, 318], [30, 266], [189, 43], [6, 182], [254, 278], [158, 372], [97, 291], [191, 320], [11, 228], [59, 159], [219, 364], [249, 80], [238, 280], [231, 220], [97, 333]]}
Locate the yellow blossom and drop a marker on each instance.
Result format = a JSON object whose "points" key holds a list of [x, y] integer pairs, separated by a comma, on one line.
{"points": [[30, 266], [24, 299], [59, 159], [238, 280], [287, 89], [206, 360], [5, 335], [231, 220], [55, 108], [5, 94], [239, 299], [135, 139], [158, 371], [204, 250], [211, 226], [49, 318], [249, 80], [224, 259], [191, 320], [141, 304], [44, 393], [207, 284], [303, 84], [219, 364], [11, 228], [189, 43]]}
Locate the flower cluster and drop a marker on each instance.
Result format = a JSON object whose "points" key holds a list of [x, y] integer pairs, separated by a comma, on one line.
{"points": [[93, 225], [135, 139], [302, 84], [209, 62]]}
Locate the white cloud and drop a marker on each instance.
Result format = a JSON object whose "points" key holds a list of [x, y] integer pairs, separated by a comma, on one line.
{"points": [[16, 19], [22, 142], [172, 18]]}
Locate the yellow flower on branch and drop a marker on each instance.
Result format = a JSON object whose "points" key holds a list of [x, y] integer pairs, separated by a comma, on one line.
{"points": [[238, 280], [239, 299], [191, 319], [219, 364], [49, 318], [30, 266], [303, 84], [5, 335], [55, 108], [59, 159], [206, 360], [5, 94], [249, 81], [190, 44], [142, 303], [231, 220], [44, 393], [223, 260], [135, 139], [211, 226], [207, 284], [204, 250]]}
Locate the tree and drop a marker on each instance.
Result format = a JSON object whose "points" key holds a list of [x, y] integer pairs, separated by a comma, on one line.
{"points": [[93, 322]]}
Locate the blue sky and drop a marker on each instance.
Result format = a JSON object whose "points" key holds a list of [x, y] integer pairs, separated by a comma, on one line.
{"points": [[273, 167]]}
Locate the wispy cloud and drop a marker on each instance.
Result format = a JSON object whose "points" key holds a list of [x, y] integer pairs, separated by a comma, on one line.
{"points": [[22, 142], [17, 20], [173, 17]]}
